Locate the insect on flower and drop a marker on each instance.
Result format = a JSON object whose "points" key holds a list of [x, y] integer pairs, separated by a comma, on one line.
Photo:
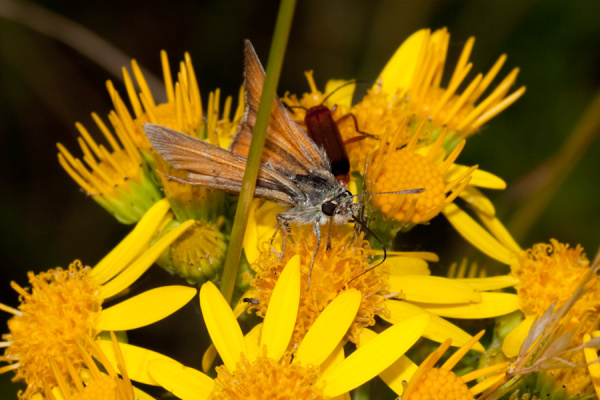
{"points": [[323, 129], [294, 171]]}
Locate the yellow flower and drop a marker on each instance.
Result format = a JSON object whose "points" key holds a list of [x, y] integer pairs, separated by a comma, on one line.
{"points": [[259, 365], [437, 383], [549, 273], [398, 289], [64, 305], [92, 383], [123, 179], [412, 80]]}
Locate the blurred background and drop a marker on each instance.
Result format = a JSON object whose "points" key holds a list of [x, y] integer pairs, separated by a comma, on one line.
{"points": [[53, 72]]}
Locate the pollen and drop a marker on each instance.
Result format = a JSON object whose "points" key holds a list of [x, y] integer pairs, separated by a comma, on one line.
{"points": [[392, 170], [549, 272], [198, 254], [576, 380], [60, 307], [266, 378], [346, 264], [440, 384]]}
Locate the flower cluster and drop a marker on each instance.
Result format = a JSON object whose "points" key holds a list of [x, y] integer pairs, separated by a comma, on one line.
{"points": [[321, 308]]}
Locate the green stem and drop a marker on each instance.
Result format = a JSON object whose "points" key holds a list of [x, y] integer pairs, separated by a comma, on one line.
{"points": [[278, 45]]}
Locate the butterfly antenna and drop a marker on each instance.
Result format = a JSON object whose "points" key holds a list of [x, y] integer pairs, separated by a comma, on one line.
{"points": [[366, 228], [407, 191]]}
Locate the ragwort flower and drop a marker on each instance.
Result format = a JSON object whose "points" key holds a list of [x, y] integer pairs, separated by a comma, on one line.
{"points": [[259, 366], [394, 291], [64, 305]]}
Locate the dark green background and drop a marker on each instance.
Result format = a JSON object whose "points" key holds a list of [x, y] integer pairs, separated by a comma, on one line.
{"points": [[45, 86]]}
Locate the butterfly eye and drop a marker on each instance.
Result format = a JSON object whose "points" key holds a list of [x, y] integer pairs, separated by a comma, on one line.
{"points": [[329, 207]]}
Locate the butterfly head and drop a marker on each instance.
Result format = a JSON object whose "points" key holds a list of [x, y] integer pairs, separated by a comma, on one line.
{"points": [[340, 208]]}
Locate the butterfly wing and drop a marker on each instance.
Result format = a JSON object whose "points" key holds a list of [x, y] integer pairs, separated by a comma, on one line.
{"points": [[217, 168], [287, 147]]}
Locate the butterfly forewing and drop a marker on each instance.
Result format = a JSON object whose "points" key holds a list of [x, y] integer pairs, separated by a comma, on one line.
{"points": [[212, 166], [287, 147]]}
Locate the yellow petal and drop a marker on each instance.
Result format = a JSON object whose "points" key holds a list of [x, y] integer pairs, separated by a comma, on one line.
{"points": [[139, 394], [400, 69], [262, 225], [438, 329], [374, 357], [132, 245], [499, 231], [136, 360], [513, 341], [492, 305], [184, 382], [145, 308], [395, 374], [209, 357], [593, 367], [433, 289], [475, 234], [335, 358], [142, 263], [491, 283], [401, 266], [477, 200], [342, 95], [252, 340], [282, 310], [222, 326], [329, 328], [480, 178]]}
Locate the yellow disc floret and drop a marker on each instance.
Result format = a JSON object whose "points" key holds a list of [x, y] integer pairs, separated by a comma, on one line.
{"points": [[61, 306], [335, 270], [266, 378]]}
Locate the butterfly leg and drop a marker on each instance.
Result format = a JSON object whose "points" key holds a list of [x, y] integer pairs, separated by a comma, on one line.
{"points": [[282, 223], [317, 231]]}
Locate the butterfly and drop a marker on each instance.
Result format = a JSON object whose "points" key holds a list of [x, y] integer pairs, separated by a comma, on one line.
{"points": [[294, 171]]}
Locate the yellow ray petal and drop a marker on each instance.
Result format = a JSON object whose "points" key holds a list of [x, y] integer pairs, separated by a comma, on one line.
{"points": [[477, 200], [480, 178], [400, 69], [475, 234], [374, 357], [401, 266], [433, 289], [136, 360], [329, 328], [282, 311], [335, 358], [491, 283], [262, 225], [132, 245], [222, 326], [438, 329], [492, 305], [184, 382], [140, 265], [343, 94], [395, 374], [513, 341], [139, 394], [593, 367], [252, 340], [499, 231], [145, 308]]}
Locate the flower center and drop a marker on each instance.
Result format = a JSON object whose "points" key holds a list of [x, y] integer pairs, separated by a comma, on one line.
{"points": [[197, 254], [63, 305], [548, 272], [404, 170], [438, 384], [267, 379], [334, 271]]}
